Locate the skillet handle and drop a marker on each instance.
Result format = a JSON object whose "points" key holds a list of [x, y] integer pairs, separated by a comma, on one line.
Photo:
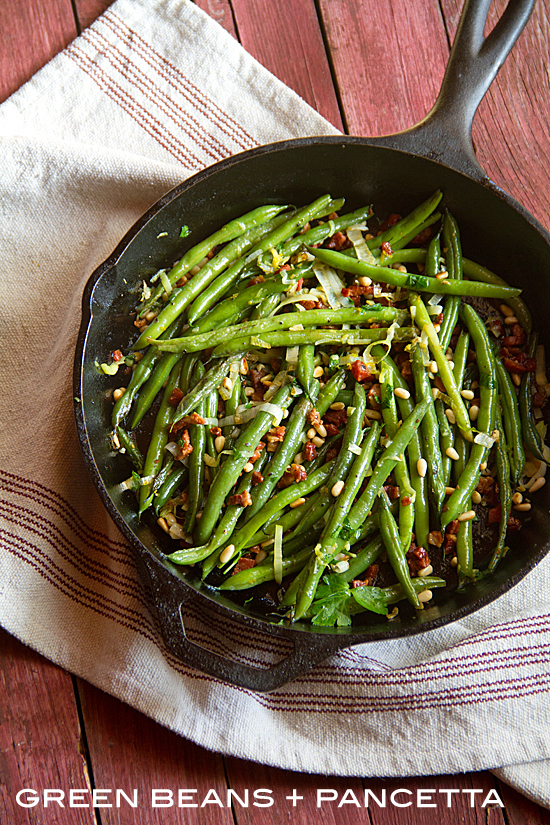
{"points": [[309, 649], [445, 133]]}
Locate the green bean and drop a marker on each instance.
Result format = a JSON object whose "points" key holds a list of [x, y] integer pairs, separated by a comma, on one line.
{"points": [[397, 245], [396, 593], [283, 457], [348, 315], [363, 559], [328, 393], [244, 300], [395, 550], [304, 371], [319, 233], [480, 273], [208, 382], [178, 478], [282, 499], [432, 257], [229, 232], [446, 440], [465, 549], [197, 435], [511, 420], [420, 283], [406, 493], [385, 464], [291, 338], [140, 374], [268, 305], [488, 388], [253, 576], [429, 430], [230, 470], [422, 319], [503, 475], [289, 520], [130, 448], [289, 597], [159, 437], [414, 453], [531, 435], [153, 386], [351, 437], [357, 473], [453, 262], [405, 225], [228, 276]]}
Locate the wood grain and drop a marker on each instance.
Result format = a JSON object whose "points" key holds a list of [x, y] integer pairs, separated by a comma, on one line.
{"points": [[510, 129], [130, 751], [285, 37], [221, 12], [31, 34], [40, 742], [388, 61], [89, 10]]}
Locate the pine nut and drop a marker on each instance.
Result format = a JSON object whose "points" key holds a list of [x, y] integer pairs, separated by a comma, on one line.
{"points": [[454, 561], [442, 275], [248, 391], [364, 281], [476, 497], [170, 519], [524, 507], [401, 392], [374, 414], [467, 394], [226, 554], [467, 516], [318, 441], [318, 372], [449, 491], [243, 367], [311, 433], [248, 467], [219, 443], [321, 430], [537, 484], [483, 465], [425, 596], [162, 523], [422, 467], [473, 412], [227, 383], [297, 502], [506, 310], [338, 405], [510, 320], [516, 378], [337, 488], [117, 394], [433, 367], [426, 571], [450, 416], [517, 498], [452, 453], [261, 556]]}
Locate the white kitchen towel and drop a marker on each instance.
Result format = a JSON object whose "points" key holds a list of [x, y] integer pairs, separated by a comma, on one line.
{"points": [[153, 92]]}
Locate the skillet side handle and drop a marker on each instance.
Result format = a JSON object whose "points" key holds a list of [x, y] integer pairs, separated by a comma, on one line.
{"points": [[308, 651], [445, 133]]}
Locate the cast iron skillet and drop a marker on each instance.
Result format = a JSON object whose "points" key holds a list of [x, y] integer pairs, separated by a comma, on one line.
{"points": [[395, 173]]}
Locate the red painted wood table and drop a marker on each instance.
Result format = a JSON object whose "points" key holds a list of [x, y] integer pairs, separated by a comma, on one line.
{"points": [[57, 731]]}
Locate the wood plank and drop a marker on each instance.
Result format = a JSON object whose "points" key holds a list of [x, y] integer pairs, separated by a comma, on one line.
{"points": [[510, 130], [32, 33], [39, 736], [129, 751], [386, 74], [458, 804], [293, 51], [221, 12], [520, 810], [304, 809], [89, 10]]}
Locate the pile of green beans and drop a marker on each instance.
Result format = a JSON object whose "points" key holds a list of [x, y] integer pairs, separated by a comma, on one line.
{"points": [[335, 414]]}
